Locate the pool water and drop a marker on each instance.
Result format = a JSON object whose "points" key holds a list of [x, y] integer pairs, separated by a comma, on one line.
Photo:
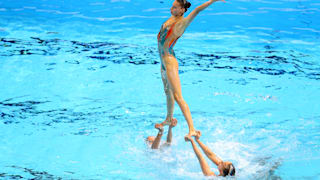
{"points": [[80, 89]]}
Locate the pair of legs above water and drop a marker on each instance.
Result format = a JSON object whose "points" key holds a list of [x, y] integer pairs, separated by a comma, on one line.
{"points": [[172, 88]]}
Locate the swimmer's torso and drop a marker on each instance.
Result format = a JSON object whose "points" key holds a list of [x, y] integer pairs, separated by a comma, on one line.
{"points": [[166, 41]]}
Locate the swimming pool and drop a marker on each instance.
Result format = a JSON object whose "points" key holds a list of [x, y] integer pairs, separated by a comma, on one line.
{"points": [[80, 89]]}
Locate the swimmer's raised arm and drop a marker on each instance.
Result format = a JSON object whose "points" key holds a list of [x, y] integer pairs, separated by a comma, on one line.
{"points": [[169, 136], [196, 11], [225, 167], [213, 157], [203, 163], [156, 142]]}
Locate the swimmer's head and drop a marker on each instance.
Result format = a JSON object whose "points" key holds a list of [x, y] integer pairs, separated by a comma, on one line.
{"points": [[226, 168], [150, 139], [179, 7]]}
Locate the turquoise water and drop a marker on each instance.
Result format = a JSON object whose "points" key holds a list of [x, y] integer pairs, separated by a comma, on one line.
{"points": [[80, 89]]}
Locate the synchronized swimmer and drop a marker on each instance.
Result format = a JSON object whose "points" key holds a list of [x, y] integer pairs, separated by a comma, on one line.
{"points": [[225, 167], [170, 31]]}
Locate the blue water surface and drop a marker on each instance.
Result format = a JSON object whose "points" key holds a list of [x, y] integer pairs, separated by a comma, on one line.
{"points": [[80, 89]]}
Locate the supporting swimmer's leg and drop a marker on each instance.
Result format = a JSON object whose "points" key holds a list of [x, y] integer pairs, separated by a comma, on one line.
{"points": [[175, 86], [170, 100]]}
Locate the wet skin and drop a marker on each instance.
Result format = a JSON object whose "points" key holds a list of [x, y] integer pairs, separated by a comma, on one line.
{"points": [[168, 35]]}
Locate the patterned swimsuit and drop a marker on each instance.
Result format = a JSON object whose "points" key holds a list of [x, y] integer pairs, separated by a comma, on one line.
{"points": [[166, 43]]}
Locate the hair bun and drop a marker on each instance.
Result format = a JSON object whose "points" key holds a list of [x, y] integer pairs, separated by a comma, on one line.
{"points": [[187, 5]]}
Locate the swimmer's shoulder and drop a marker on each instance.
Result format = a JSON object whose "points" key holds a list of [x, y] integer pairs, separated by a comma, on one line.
{"points": [[181, 26]]}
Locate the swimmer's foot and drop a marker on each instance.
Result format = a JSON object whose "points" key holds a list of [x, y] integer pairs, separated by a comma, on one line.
{"points": [[174, 122], [198, 135], [192, 133], [166, 122]]}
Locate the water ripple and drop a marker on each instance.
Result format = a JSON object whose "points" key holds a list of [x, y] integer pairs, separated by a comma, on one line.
{"points": [[30, 172], [270, 61]]}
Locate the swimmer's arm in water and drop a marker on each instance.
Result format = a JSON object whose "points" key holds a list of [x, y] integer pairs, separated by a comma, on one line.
{"points": [[203, 163], [156, 142], [196, 11], [214, 158], [169, 136]]}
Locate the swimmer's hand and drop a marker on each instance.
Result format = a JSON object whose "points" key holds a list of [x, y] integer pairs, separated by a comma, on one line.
{"points": [[192, 133], [159, 127], [187, 138], [174, 122], [198, 135]]}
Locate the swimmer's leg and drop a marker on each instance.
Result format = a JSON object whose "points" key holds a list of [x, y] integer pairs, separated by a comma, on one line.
{"points": [[170, 99], [175, 86], [156, 142], [212, 156], [203, 163]]}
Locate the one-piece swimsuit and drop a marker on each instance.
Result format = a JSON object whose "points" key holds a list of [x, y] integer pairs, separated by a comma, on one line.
{"points": [[164, 46]]}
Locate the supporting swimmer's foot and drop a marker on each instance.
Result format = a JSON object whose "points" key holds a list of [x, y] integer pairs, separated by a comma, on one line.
{"points": [[192, 133], [166, 122]]}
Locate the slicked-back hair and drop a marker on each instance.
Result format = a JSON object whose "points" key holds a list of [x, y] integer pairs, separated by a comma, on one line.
{"points": [[185, 4], [230, 170]]}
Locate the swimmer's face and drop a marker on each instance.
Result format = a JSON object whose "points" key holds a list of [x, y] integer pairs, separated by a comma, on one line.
{"points": [[176, 9], [150, 139]]}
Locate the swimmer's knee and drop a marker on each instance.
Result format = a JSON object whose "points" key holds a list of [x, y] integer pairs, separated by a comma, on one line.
{"points": [[178, 97]]}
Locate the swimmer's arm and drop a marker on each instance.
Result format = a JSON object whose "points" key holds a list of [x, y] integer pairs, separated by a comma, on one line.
{"points": [[206, 4], [203, 163], [156, 142], [169, 136], [196, 11], [214, 158], [173, 124]]}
